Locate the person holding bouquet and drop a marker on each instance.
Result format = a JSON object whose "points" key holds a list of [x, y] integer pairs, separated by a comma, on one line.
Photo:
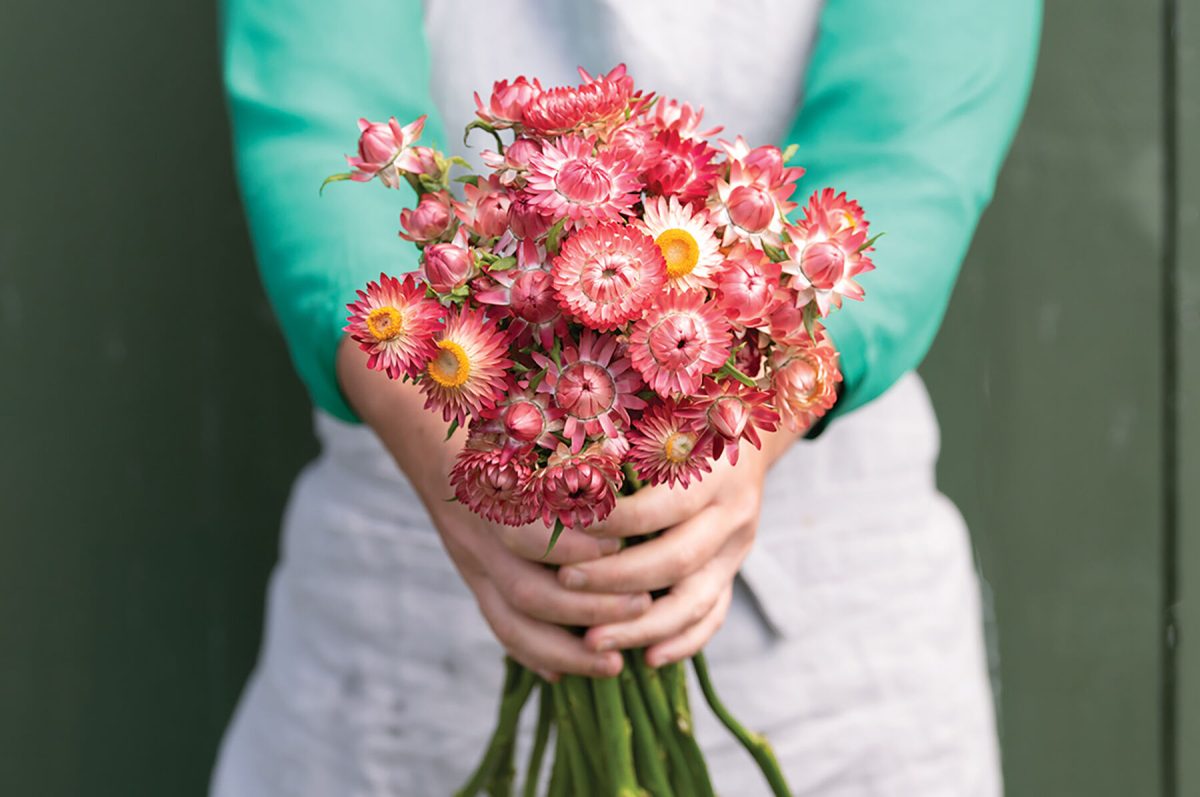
{"points": [[842, 579]]}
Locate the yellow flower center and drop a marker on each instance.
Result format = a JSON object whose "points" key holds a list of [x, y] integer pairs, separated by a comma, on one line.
{"points": [[848, 219], [450, 367], [385, 323], [678, 446], [680, 250]]}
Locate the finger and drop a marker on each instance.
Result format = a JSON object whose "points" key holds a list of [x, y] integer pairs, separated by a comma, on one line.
{"points": [[694, 638], [529, 542], [534, 590], [661, 562], [687, 604], [649, 510], [540, 646]]}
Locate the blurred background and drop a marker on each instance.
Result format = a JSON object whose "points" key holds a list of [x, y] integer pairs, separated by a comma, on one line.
{"points": [[150, 424]]}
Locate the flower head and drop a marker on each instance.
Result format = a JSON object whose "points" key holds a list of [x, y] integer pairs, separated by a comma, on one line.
{"points": [[747, 286], [527, 291], [493, 486], [682, 168], [826, 252], [667, 447], [594, 391], [608, 274], [595, 105], [448, 266], [506, 107], [681, 117], [679, 340], [686, 239], [383, 151], [522, 420], [805, 382], [394, 323], [465, 374], [429, 220], [510, 168], [577, 489], [570, 179], [485, 211], [730, 412]]}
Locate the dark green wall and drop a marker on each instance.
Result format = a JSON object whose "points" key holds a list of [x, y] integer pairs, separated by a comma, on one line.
{"points": [[150, 425]]}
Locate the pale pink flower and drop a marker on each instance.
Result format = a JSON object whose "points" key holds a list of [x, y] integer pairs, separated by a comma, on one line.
{"points": [[494, 486], [595, 105], [608, 274], [466, 372], [593, 387], [826, 252], [681, 168], [731, 412], [753, 202], [570, 179], [394, 323], [485, 211], [681, 338], [804, 379], [686, 238], [448, 266], [384, 151], [747, 286], [506, 106], [577, 489], [429, 220], [667, 447]]}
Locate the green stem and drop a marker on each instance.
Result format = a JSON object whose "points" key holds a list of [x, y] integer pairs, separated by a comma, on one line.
{"points": [[675, 680], [755, 743], [647, 753], [519, 683], [559, 777], [541, 736], [577, 768], [631, 477], [660, 714], [583, 719], [616, 735]]}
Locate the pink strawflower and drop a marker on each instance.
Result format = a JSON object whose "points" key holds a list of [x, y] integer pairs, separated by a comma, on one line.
{"points": [[596, 105], [494, 486], [686, 238], [383, 151], [681, 117], [485, 211], [429, 220], [805, 382], [569, 179], [608, 274], [395, 323], [506, 107], [668, 448], [466, 372], [826, 253], [681, 338], [510, 168], [593, 387], [525, 219], [527, 293], [681, 168], [522, 420], [753, 202], [747, 286], [448, 266], [577, 489], [730, 412], [631, 143]]}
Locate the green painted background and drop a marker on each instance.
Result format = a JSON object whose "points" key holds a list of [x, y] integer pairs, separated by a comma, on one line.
{"points": [[150, 426]]}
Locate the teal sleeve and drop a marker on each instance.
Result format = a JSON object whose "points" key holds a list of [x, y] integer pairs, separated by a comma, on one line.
{"points": [[298, 74], [910, 107]]}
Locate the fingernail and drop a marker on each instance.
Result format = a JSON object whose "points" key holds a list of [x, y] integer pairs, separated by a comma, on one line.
{"points": [[573, 579], [605, 644], [639, 603], [608, 666], [609, 545]]}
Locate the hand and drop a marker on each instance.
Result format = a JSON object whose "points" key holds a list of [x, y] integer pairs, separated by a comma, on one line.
{"points": [[708, 531], [519, 597]]}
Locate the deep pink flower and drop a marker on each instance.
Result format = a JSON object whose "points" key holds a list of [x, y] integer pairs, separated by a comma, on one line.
{"points": [[805, 382], [595, 105], [608, 274], [383, 151], [667, 447], [448, 266], [525, 219], [570, 179], [527, 292], [494, 486], [594, 388], [577, 489], [394, 323], [680, 339], [747, 286], [681, 168], [522, 420], [506, 106], [466, 372], [731, 412], [429, 221]]}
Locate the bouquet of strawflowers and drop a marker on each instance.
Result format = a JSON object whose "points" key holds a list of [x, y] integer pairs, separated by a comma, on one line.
{"points": [[616, 302]]}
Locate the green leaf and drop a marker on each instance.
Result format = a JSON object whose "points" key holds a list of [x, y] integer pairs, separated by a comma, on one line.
{"points": [[869, 243], [334, 178], [554, 237], [810, 320], [558, 530], [556, 351], [468, 179], [502, 264], [730, 370], [776, 254], [790, 152], [453, 428]]}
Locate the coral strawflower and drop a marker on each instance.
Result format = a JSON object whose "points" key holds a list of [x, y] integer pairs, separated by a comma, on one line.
{"points": [[666, 447], [608, 274], [394, 323], [686, 238], [466, 371], [680, 339], [570, 178]]}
